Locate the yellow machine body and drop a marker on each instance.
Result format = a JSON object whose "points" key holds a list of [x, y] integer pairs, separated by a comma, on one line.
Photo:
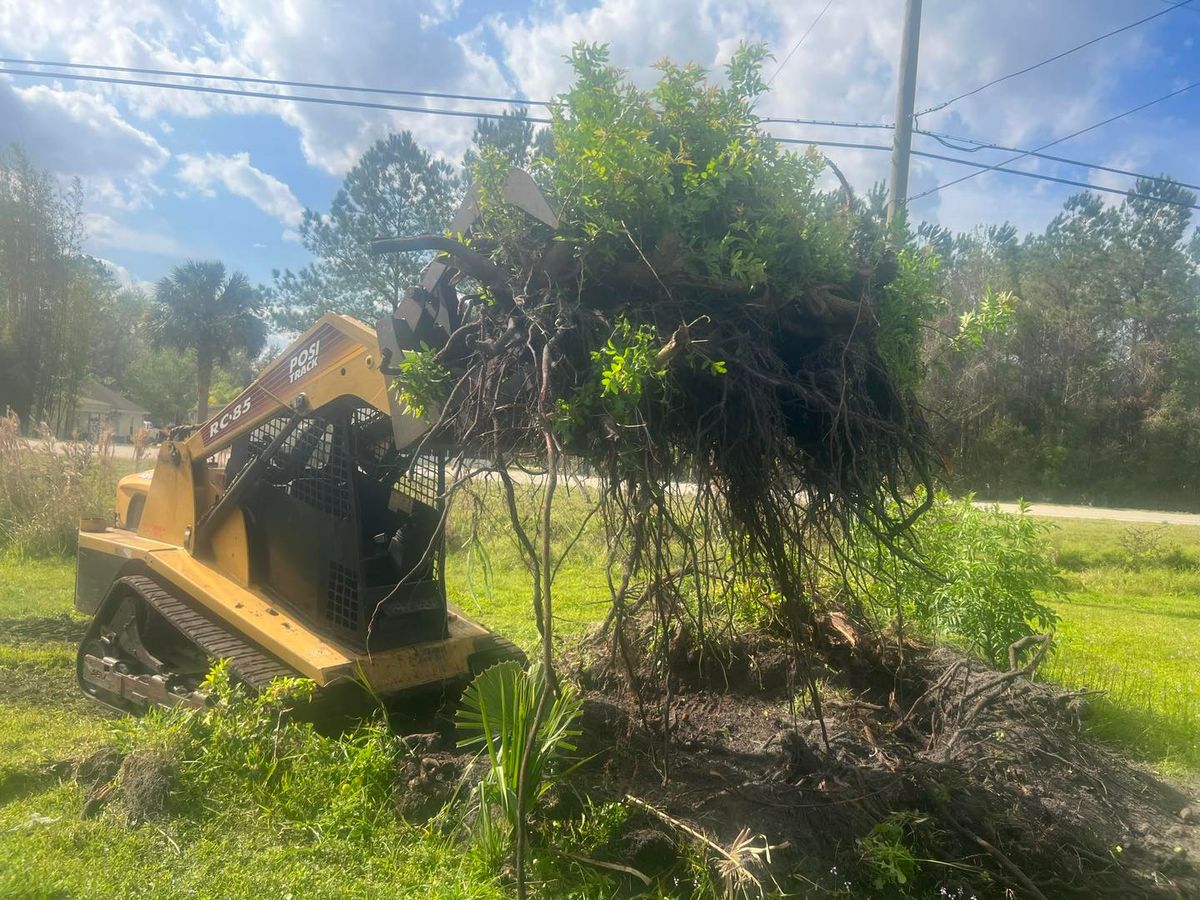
{"points": [[159, 514]]}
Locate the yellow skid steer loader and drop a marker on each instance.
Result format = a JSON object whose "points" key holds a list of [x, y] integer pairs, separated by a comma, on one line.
{"points": [[296, 532]]}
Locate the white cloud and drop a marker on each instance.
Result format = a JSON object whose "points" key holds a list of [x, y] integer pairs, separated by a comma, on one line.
{"points": [[844, 70], [106, 233], [235, 174], [385, 44], [75, 133], [125, 277]]}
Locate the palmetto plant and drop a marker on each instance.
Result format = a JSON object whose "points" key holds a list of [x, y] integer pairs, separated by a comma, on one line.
{"points": [[496, 716], [201, 307]]}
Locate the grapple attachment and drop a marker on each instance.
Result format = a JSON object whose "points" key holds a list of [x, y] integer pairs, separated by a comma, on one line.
{"points": [[430, 312]]}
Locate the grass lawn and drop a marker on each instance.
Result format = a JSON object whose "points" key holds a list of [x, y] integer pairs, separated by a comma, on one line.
{"points": [[46, 850], [1130, 625]]}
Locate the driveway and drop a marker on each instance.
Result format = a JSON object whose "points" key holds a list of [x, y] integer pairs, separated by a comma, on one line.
{"points": [[1064, 511]]}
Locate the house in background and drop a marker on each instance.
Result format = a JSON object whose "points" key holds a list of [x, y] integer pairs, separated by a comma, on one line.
{"points": [[99, 407]]}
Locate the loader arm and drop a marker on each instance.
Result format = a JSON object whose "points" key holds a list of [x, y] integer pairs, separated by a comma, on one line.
{"points": [[335, 357], [430, 312]]}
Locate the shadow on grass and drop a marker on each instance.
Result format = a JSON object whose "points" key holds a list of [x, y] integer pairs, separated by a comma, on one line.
{"points": [[1168, 741], [1118, 606], [16, 784], [41, 629]]}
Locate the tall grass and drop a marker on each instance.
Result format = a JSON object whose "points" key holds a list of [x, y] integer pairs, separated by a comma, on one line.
{"points": [[45, 487]]}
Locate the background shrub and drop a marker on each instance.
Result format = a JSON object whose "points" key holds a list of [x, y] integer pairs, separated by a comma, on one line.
{"points": [[972, 574]]}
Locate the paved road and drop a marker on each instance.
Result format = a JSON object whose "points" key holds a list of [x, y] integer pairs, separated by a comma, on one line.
{"points": [[1063, 511], [1043, 510]]}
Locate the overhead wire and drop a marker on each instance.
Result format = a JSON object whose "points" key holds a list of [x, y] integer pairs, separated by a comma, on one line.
{"points": [[801, 41], [251, 79], [1048, 144], [954, 142], [970, 162], [476, 114], [977, 145], [1055, 58], [267, 95]]}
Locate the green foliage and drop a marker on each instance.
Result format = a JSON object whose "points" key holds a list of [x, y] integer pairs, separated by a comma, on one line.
{"points": [[246, 751], [396, 188], [908, 303], [976, 575], [422, 383], [53, 299], [886, 855], [1089, 389], [496, 716], [163, 381], [993, 315], [511, 138]]}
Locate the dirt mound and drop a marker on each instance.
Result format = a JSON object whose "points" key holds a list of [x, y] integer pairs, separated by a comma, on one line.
{"points": [[927, 773], [145, 781], [428, 776]]}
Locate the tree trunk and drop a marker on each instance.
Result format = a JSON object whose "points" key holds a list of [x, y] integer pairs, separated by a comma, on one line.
{"points": [[204, 367]]}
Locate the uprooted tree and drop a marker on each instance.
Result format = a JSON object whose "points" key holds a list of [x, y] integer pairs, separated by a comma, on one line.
{"points": [[733, 350]]}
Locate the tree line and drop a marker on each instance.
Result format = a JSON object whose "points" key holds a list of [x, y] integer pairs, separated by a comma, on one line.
{"points": [[1092, 391], [1086, 388]]}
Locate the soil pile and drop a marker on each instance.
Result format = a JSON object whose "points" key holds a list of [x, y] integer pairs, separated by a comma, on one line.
{"points": [[931, 767]]}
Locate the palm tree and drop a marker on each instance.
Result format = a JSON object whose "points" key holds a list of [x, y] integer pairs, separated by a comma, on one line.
{"points": [[200, 307]]}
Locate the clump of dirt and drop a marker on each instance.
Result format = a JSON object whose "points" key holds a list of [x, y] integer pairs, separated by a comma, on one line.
{"points": [[145, 783], [99, 768], [428, 776], [925, 755]]}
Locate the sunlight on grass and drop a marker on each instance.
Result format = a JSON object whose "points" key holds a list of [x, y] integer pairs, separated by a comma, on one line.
{"points": [[1131, 627]]}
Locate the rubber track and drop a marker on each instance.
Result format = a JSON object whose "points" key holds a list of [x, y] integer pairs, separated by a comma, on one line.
{"points": [[252, 664]]}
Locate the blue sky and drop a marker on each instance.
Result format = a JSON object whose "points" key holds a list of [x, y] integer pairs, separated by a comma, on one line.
{"points": [[173, 175]]}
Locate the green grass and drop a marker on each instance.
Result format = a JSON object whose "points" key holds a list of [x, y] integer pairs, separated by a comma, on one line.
{"points": [[1131, 627], [487, 577], [1131, 630], [47, 850]]}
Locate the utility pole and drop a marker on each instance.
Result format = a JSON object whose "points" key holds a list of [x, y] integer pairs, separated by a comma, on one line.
{"points": [[906, 92]]}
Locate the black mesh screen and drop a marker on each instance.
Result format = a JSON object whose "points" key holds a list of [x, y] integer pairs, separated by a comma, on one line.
{"points": [[417, 475], [312, 464], [344, 527], [341, 603]]}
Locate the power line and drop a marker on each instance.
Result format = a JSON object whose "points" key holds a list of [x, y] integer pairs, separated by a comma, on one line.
{"points": [[803, 37], [1177, 3], [833, 123], [247, 79], [941, 137], [1055, 58], [71, 76], [970, 162], [946, 139], [364, 104], [265, 95], [1060, 140]]}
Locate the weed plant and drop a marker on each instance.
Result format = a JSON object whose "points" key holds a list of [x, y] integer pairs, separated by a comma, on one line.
{"points": [[245, 753], [976, 576]]}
